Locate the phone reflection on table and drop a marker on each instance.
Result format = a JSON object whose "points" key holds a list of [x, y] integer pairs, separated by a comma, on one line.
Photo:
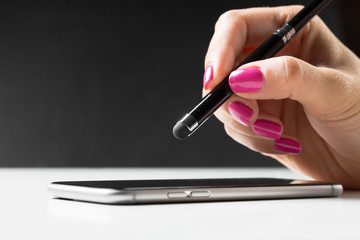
{"points": [[79, 210]]}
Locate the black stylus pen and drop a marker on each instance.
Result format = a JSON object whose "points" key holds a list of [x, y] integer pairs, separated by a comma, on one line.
{"points": [[213, 100]]}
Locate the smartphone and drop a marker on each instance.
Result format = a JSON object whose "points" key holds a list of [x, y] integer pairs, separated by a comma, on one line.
{"points": [[190, 190]]}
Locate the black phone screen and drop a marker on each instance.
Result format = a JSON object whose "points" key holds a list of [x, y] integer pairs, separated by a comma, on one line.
{"points": [[188, 183]]}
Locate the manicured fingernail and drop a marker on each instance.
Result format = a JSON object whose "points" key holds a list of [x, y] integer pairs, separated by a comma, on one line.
{"points": [[241, 112], [287, 145], [267, 128], [246, 80], [208, 76]]}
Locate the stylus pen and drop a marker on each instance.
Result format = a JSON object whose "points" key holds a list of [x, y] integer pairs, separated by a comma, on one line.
{"points": [[213, 100]]}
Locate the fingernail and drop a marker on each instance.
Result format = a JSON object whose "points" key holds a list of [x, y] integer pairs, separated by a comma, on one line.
{"points": [[208, 76], [267, 128], [241, 112], [287, 145], [246, 80]]}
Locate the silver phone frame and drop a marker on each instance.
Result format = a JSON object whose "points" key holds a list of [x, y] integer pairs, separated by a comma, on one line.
{"points": [[161, 195]]}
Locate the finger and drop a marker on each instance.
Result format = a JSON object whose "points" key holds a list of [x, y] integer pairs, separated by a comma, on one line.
{"points": [[284, 77], [285, 145], [267, 126], [209, 71], [244, 111], [244, 116], [239, 113], [238, 29]]}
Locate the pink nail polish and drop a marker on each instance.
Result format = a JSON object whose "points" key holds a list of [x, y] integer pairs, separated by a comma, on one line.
{"points": [[241, 112], [287, 145], [208, 76], [267, 128], [246, 80]]}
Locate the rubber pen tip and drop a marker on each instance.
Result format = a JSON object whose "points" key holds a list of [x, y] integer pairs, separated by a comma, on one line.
{"points": [[181, 131]]}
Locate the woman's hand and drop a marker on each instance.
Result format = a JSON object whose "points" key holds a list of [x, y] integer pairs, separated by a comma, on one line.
{"points": [[301, 107]]}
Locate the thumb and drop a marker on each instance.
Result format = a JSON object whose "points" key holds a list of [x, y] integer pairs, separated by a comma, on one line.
{"points": [[288, 77]]}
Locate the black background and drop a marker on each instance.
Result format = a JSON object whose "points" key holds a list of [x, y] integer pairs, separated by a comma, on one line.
{"points": [[102, 83]]}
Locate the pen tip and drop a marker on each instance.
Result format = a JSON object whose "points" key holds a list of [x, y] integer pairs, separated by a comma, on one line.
{"points": [[181, 131]]}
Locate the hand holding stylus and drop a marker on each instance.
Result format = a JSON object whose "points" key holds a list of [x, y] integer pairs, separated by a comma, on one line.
{"points": [[301, 107]]}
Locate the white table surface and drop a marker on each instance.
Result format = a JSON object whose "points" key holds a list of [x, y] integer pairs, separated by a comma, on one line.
{"points": [[28, 212]]}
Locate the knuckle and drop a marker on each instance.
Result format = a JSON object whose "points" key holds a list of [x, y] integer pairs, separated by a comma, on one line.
{"points": [[291, 65], [227, 17], [292, 68], [292, 74]]}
